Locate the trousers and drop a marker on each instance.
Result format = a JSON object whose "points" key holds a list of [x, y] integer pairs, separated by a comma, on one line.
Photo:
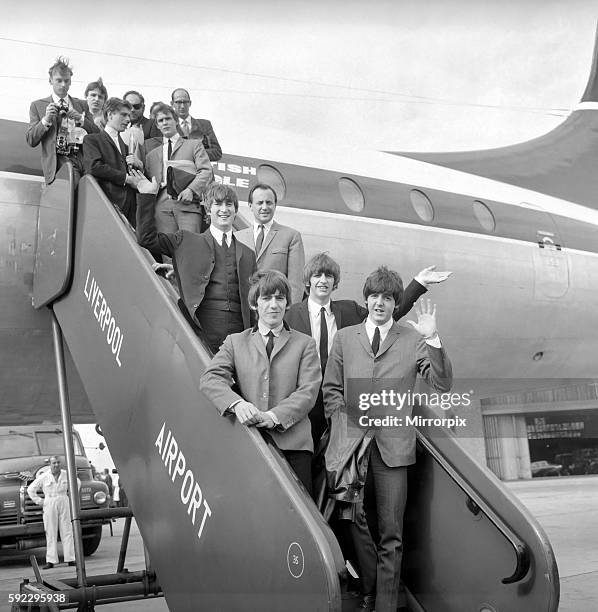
{"points": [[57, 515]]}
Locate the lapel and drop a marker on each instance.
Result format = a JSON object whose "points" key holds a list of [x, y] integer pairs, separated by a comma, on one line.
{"points": [[362, 336], [238, 254], [336, 311], [177, 145], [159, 170], [112, 143], [391, 338], [279, 343], [304, 314], [258, 342], [271, 235]]}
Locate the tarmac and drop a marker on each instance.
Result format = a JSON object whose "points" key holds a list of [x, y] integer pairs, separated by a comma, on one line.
{"points": [[566, 507]]}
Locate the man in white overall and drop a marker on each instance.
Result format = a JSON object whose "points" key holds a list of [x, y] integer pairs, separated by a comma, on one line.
{"points": [[57, 514]]}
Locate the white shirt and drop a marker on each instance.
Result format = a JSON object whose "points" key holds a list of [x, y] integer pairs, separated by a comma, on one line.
{"points": [[49, 486], [114, 135], [165, 140], [264, 331], [217, 234], [187, 122], [314, 318], [256, 230], [370, 328]]}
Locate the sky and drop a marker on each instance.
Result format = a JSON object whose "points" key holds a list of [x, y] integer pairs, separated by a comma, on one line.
{"points": [[399, 75], [379, 75]]}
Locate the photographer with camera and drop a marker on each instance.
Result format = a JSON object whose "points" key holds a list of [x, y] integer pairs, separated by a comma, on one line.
{"points": [[59, 123]]}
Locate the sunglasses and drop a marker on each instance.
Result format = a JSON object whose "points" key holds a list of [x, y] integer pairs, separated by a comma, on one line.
{"points": [[136, 106]]}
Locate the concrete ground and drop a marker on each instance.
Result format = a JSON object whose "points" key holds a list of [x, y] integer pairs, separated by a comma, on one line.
{"points": [[567, 509]]}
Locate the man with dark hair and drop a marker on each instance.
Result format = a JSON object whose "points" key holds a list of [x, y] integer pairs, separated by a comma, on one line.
{"points": [[57, 513], [277, 247], [372, 358], [147, 128], [96, 95], [54, 123], [321, 276], [275, 371], [199, 129], [177, 208], [213, 268], [107, 158]]}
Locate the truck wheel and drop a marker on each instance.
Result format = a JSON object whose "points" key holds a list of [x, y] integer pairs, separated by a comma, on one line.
{"points": [[91, 540]]}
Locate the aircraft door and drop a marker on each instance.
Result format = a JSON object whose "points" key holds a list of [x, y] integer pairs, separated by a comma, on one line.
{"points": [[551, 266]]}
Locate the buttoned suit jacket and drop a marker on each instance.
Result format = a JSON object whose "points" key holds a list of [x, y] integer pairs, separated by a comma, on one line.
{"points": [[287, 383], [193, 258], [183, 150], [37, 133], [201, 129], [401, 356], [103, 160], [349, 312], [282, 250]]}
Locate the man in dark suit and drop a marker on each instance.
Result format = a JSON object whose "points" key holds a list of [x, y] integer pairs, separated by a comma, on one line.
{"points": [[213, 269], [177, 210], [53, 121], [276, 372], [321, 277], [147, 127], [277, 247], [200, 129], [374, 357], [107, 158]]}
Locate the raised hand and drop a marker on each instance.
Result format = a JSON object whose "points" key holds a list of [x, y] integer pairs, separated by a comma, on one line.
{"points": [[426, 319], [430, 276]]}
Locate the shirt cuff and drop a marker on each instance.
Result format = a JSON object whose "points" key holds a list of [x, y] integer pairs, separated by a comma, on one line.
{"points": [[420, 281], [231, 408], [434, 341], [45, 124]]}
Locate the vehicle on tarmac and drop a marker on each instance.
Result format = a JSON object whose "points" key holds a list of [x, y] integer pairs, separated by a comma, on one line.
{"points": [[24, 454]]}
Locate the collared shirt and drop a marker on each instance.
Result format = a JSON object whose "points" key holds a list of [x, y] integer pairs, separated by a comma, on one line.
{"points": [[370, 328], [173, 139], [256, 230], [113, 134], [314, 318], [217, 234], [49, 486], [56, 99], [187, 122]]}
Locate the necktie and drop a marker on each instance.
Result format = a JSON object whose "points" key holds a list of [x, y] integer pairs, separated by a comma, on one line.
{"points": [[224, 243], [376, 341], [323, 339], [270, 343], [260, 240], [169, 153], [185, 127], [122, 146]]}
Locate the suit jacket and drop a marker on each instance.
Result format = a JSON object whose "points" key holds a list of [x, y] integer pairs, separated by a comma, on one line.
{"points": [[201, 129], [193, 258], [402, 356], [37, 133], [348, 312], [150, 129], [183, 150], [282, 250], [107, 164], [287, 383]]}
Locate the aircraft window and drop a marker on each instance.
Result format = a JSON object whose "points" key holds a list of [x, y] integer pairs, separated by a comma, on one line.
{"points": [[271, 176], [351, 194], [422, 205], [484, 216]]}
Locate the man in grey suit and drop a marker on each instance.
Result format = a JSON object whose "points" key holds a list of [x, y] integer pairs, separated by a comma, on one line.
{"points": [[276, 371], [277, 247], [52, 122], [176, 209], [370, 358]]}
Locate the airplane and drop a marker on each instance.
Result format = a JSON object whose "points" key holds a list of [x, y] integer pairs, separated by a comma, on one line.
{"points": [[517, 227]]}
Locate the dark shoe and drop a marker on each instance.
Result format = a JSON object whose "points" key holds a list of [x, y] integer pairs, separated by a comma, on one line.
{"points": [[368, 604], [71, 563], [48, 566]]}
